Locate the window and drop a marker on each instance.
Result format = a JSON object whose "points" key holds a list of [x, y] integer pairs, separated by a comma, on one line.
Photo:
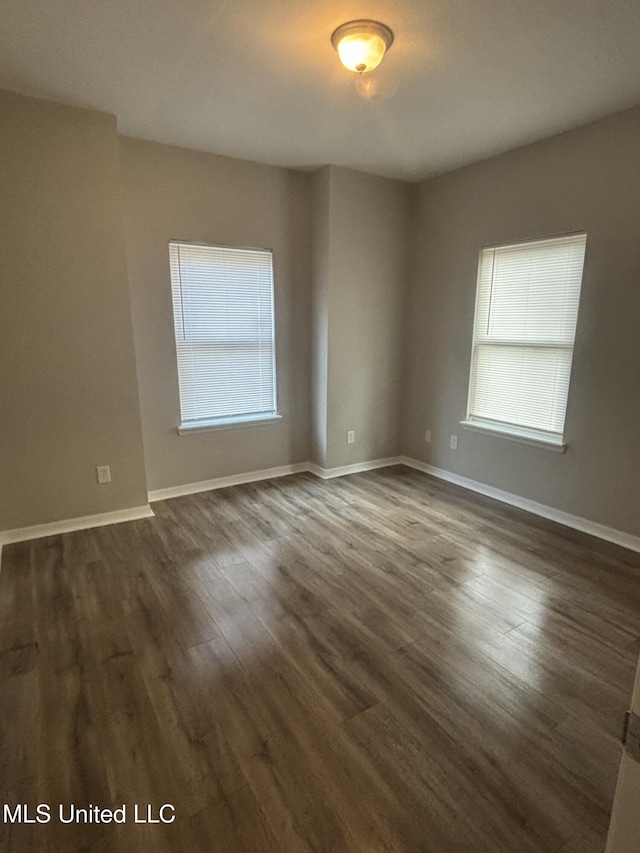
{"points": [[224, 327], [524, 329]]}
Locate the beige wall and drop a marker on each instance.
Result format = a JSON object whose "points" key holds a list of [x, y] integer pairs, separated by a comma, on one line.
{"points": [[177, 194], [68, 392], [588, 179]]}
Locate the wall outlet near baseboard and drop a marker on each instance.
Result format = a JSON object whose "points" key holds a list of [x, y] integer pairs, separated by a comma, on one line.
{"points": [[103, 474], [351, 436], [427, 436], [453, 442]]}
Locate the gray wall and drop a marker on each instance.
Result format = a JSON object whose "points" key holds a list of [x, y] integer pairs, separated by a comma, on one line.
{"points": [[588, 179], [360, 225], [321, 273], [367, 262], [68, 393], [356, 348], [177, 194]]}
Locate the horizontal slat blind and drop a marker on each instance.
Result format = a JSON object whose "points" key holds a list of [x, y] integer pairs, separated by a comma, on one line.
{"points": [[525, 324], [224, 328]]}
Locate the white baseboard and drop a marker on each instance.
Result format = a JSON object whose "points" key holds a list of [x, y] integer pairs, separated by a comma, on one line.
{"points": [[357, 468], [23, 534], [268, 474], [601, 531], [223, 482], [68, 525]]}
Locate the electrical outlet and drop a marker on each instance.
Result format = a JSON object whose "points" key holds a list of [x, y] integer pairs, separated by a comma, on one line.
{"points": [[103, 474], [427, 436], [453, 442], [351, 437]]}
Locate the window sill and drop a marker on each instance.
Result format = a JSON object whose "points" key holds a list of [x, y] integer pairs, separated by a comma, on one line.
{"points": [[524, 437], [228, 423]]}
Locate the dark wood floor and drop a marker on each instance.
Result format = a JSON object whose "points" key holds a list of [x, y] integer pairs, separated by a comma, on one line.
{"points": [[380, 662]]}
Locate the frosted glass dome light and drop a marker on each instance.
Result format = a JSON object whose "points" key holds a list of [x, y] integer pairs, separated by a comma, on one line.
{"points": [[361, 45]]}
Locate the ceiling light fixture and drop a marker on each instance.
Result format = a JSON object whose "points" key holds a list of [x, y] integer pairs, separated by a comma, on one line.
{"points": [[361, 44]]}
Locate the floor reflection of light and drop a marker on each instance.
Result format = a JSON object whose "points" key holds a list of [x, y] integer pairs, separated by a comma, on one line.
{"points": [[494, 598], [524, 591]]}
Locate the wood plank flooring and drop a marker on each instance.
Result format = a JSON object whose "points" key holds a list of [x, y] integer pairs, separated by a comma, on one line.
{"points": [[380, 662]]}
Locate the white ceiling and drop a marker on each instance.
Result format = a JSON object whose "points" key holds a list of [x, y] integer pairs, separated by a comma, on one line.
{"points": [[259, 79]]}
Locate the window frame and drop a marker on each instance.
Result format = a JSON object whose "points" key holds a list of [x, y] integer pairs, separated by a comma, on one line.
{"points": [[236, 421], [513, 432]]}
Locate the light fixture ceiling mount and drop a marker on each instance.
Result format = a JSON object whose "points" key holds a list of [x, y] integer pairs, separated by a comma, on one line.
{"points": [[361, 44]]}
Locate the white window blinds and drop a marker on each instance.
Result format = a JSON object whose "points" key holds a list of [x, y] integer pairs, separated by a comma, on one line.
{"points": [[525, 324], [224, 328]]}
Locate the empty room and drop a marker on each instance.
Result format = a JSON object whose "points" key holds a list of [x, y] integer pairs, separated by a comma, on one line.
{"points": [[319, 418]]}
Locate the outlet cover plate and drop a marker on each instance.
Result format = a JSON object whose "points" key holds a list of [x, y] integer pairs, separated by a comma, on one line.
{"points": [[103, 474]]}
